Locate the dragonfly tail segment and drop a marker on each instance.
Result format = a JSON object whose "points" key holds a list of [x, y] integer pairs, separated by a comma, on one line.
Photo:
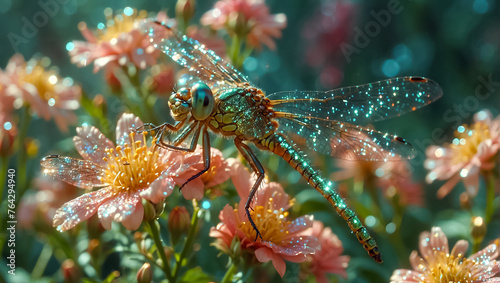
{"points": [[279, 145]]}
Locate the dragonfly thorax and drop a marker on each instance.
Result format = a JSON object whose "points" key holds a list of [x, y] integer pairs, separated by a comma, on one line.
{"points": [[197, 100]]}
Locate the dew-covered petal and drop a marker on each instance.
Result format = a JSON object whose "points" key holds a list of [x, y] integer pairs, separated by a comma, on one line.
{"points": [[118, 208], [417, 263], [91, 144], [80, 209], [265, 254], [301, 224], [134, 220], [161, 188], [405, 275], [77, 172], [432, 241], [460, 248], [128, 122]]}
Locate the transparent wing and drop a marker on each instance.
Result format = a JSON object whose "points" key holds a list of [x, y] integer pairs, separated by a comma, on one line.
{"points": [[343, 140], [201, 62], [77, 172], [360, 104]]}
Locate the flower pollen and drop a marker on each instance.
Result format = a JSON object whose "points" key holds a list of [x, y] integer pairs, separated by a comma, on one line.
{"points": [[467, 141], [449, 268], [119, 24], [272, 223], [133, 166]]}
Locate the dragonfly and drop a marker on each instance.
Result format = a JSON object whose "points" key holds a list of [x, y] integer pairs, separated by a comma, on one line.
{"points": [[221, 100]]}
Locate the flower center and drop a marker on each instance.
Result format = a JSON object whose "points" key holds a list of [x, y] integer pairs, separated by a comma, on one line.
{"points": [[467, 140], [448, 268], [272, 223], [119, 24], [134, 166], [44, 81]]}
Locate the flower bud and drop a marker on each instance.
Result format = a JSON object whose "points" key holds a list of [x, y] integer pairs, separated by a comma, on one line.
{"points": [[184, 9], [145, 274], [94, 249], [478, 229], [70, 271], [465, 201], [7, 136], [179, 222], [238, 24], [152, 210], [161, 80]]}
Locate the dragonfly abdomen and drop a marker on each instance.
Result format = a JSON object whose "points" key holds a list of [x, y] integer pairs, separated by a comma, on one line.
{"points": [[280, 146]]}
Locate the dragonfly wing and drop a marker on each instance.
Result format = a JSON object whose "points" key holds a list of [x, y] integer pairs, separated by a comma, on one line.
{"points": [[189, 53], [344, 140], [360, 104], [77, 172]]}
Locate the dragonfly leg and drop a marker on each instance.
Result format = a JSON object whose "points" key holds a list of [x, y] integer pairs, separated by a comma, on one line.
{"points": [[152, 127], [206, 155], [185, 133], [248, 154]]}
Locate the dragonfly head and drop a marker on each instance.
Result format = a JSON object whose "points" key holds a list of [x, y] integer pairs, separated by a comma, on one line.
{"points": [[197, 100]]}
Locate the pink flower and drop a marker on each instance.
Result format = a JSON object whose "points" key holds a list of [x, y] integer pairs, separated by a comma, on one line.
{"points": [[329, 27], [42, 205], [118, 41], [437, 264], [393, 177], [328, 258], [248, 18], [473, 150], [282, 239], [47, 94], [126, 173]]}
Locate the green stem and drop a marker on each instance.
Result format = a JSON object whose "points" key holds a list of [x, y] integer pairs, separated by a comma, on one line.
{"points": [[490, 198], [155, 233], [3, 175], [229, 273], [235, 51], [42, 262], [188, 245], [21, 165]]}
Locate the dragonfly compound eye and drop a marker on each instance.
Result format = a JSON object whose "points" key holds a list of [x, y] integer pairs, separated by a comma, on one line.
{"points": [[202, 101]]}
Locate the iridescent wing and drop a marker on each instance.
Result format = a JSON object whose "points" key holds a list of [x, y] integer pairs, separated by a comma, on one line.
{"points": [[362, 104], [201, 62], [321, 120], [77, 172]]}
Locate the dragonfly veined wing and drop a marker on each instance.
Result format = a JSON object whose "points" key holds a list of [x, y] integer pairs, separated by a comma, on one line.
{"points": [[77, 172], [201, 62], [361, 104], [343, 140]]}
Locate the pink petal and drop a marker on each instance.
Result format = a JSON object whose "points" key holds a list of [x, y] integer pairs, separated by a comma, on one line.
{"points": [[448, 186], [460, 248], [119, 208], [128, 122], [134, 220], [265, 254], [432, 241], [161, 188], [80, 209], [91, 144], [405, 275]]}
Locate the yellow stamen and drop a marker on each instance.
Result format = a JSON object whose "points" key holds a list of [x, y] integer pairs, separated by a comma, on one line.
{"points": [[447, 268], [119, 24], [43, 80], [272, 224], [134, 166], [467, 141]]}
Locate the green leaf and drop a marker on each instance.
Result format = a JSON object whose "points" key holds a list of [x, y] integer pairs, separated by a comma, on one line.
{"points": [[196, 274]]}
